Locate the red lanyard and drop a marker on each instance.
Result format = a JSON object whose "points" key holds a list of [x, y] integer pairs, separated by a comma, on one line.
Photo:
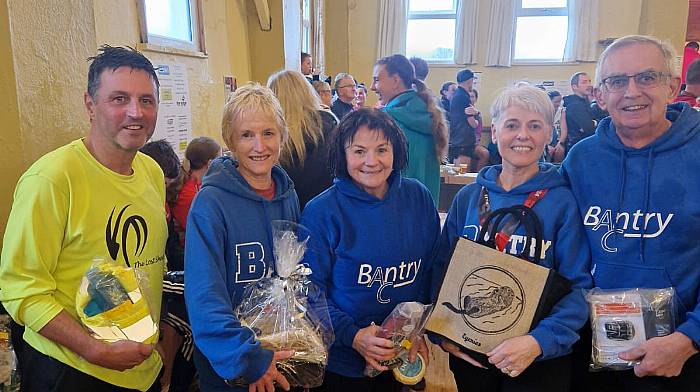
{"points": [[503, 236]]}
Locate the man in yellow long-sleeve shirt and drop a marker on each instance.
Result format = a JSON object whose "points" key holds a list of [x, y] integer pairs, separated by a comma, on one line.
{"points": [[95, 197]]}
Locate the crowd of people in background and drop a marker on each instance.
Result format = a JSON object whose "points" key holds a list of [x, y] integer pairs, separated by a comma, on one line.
{"points": [[366, 183]]}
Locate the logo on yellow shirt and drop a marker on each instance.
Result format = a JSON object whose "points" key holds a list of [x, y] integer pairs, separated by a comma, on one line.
{"points": [[133, 223]]}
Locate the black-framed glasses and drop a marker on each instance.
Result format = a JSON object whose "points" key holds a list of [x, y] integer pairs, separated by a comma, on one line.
{"points": [[646, 79]]}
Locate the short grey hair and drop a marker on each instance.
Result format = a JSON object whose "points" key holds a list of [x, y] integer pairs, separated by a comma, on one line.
{"points": [[340, 77], [527, 97], [666, 49]]}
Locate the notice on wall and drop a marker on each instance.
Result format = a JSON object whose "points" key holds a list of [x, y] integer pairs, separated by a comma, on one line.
{"points": [[563, 86], [174, 112]]}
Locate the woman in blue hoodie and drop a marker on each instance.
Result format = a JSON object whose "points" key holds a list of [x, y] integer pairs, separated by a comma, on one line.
{"points": [[415, 108], [522, 120], [229, 243], [374, 234]]}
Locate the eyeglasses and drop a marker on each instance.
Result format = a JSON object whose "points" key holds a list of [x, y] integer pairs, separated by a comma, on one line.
{"points": [[348, 85], [646, 79]]}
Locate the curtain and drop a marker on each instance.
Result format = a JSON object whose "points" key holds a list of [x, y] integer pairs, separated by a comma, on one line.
{"points": [[501, 29], [465, 32], [582, 39], [393, 16], [317, 35]]}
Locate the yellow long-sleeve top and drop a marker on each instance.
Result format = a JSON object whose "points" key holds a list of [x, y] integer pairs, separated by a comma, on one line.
{"points": [[67, 210]]}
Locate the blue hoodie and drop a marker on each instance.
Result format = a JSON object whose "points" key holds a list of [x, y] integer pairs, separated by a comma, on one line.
{"points": [[564, 245], [371, 255], [228, 245], [411, 113], [641, 210]]}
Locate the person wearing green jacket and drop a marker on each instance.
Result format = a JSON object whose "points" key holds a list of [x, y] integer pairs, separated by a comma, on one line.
{"points": [[416, 110]]}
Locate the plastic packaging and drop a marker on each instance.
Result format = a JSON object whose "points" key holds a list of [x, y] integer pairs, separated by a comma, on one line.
{"points": [[403, 326], [623, 319], [288, 312], [111, 302], [9, 376]]}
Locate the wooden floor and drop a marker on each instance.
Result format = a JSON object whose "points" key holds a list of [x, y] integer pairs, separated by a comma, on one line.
{"points": [[438, 376]]}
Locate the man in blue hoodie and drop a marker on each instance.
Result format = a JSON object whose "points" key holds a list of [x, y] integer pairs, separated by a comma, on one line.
{"points": [[636, 186]]}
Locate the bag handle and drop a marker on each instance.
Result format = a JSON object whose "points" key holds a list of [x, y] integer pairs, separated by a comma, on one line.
{"points": [[516, 215]]}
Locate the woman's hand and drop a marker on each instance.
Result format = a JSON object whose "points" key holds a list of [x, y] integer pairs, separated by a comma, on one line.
{"points": [[453, 349], [514, 355], [419, 346], [373, 348], [266, 383]]}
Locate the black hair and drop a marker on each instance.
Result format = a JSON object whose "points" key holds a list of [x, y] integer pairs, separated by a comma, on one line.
{"points": [[165, 157], [420, 66], [553, 94], [575, 77], [445, 87], [304, 55], [200, 151], [398, 64], [114, 57], [692, 44], [464, 75], [374, 120]]}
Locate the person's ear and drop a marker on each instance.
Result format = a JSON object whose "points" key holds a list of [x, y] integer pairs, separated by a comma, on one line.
{"points": [[89, 106], [675, 88], [493, 133], [600, 97]]}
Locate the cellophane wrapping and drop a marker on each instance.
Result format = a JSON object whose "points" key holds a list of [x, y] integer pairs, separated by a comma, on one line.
{"points": [[112, 302], [288, 312], [403, 326], [623, 319]]}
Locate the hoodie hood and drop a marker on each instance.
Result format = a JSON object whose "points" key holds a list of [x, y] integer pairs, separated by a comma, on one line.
{"points": [[223, 173], [347, 187], [685, 123], [409, 109], [548, 177]]}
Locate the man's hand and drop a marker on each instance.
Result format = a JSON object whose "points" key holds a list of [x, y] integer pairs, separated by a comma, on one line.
{"points": [[266, 383], [662, 356], [419, 346], [514, 355], [471, 111], [121, 355], [453, 349], [373, 348]]}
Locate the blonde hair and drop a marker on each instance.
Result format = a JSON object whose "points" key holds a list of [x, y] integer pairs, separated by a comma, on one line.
{"points": [[529, 98], [251, 98], [301, 104], [667, 50]]}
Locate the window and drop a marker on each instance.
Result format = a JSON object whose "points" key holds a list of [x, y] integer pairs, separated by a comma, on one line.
{"points": [[306, 26], [541, 27], [430, 33], [172, 23]]}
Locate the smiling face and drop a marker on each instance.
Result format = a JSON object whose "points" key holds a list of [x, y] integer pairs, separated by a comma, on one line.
{"points": [[639, 114], [256, 143], [521, 135], [385, 85], [123, 112], [370, 160]]}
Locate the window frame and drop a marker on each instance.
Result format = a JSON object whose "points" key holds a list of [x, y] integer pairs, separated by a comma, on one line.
{"points": [[306, 30], [196, 27], [543, 12], [429, 15]]}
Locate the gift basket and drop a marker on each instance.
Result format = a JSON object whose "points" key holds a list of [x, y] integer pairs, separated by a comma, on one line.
{"points": [[403, 327], [112, 303], [623, 319], [9, 376], [288, 312]]}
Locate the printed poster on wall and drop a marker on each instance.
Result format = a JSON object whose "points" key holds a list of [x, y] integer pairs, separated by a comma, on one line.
{"points": [[174, 114]]}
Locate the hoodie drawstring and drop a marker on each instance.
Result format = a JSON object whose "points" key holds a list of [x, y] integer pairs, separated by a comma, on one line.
{"points": [[621, 193], [650, 164]]}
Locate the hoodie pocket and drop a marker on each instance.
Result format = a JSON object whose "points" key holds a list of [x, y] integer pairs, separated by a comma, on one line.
{"points": [[607, 275]]}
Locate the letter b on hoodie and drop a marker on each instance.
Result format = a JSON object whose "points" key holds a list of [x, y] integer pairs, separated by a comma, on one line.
{"points": [[251, 264]]}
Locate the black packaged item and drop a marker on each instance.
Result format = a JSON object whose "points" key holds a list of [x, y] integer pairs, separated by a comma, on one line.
{"points": [[623, 319]]}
